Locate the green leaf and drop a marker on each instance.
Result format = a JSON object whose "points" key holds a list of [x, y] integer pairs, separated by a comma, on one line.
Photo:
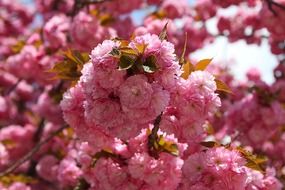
{"points": [[150, 66], [163, 33], [221, 86], [202, 64], [115, 52], [160, 14], [126, 62]]}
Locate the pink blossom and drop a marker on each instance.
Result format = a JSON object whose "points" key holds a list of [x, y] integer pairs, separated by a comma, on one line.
{"points": [[19, 186], [18, 135], [68, 172], [82, 31], [136, 92], [4, 156], [55, 31], [174, 9], [47, 168]]}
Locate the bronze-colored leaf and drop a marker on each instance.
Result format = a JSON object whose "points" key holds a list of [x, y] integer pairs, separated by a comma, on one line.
{"points": [[141, 48], [253, 161], [163, 33], [71, 66], [160, 14], [209, 144], [129, 51], [106, 19], [202, 64], [187, 69], [221, 86], [16, 48], [12, 178], [8, 143]]}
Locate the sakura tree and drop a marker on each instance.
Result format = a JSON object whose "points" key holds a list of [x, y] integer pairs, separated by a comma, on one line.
{"points": [[92, 100]]}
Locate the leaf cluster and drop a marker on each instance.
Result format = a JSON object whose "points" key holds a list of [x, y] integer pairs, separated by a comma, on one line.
{"points": [[70, 67], [253, 161], [157, 143], [132, 60], [105, 153], [188, 68]]}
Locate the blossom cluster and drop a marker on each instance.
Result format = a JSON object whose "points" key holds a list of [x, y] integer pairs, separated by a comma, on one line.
{"points": [[92, 99]]}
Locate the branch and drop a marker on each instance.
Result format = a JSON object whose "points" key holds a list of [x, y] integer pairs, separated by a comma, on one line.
{"points": [[277, 4], [271, 3], [79, 4], [38, 133], [29, 155], [243, 37], [12, 88], [152, 138]]}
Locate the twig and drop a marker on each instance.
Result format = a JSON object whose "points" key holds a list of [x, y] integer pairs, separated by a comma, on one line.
{"points": [[277, 4], [79, 4], [19, 162], [38, 133], [245, 37], [56, 4], [12, 87], [271, 3], [152, 138]]}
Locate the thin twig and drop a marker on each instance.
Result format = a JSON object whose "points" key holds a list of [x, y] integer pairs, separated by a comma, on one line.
{"points": [[12, 88], [30, 154], [277, 4], [271, 3], [79, 4], [38, 134], [152, 138]]}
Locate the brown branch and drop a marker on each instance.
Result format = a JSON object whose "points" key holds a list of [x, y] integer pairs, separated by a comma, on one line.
{"points": [[12, 88], [95, 1], [271, 3], [244, 37], [30, 154], [277, 4], [39, 131], [80, 4], [152, 138]]}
